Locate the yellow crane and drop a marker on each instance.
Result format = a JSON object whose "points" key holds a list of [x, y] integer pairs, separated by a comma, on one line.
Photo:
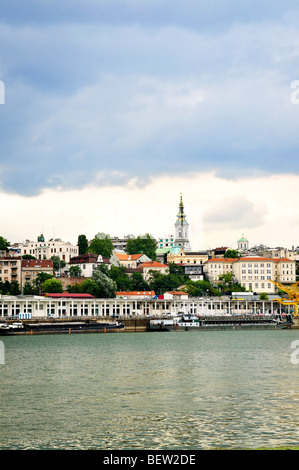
{"points": [[293, 292]]}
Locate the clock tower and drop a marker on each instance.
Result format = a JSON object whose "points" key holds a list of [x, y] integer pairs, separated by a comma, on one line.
{"points": [[181, 229]]}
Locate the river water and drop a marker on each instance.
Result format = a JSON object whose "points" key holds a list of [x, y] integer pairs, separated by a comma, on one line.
{"points": [[167, 390]]}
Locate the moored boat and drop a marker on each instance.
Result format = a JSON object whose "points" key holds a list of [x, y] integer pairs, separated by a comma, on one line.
{"points": [[61, 327], [221, 322]]}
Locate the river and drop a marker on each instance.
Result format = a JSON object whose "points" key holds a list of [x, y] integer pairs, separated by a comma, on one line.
{"points": [[187, 390]]}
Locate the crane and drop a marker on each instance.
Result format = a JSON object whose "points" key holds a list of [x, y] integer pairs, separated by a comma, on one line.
{"points": [[293, 293]]}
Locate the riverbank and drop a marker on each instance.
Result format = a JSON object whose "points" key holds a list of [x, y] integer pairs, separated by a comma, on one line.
{"points": [[140, 324]]}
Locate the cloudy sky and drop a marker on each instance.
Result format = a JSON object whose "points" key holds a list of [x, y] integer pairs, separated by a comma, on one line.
{"points": [[111, 108]]}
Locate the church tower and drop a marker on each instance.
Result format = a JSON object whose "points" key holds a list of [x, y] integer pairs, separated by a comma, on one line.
{"points": [[181, 229]]}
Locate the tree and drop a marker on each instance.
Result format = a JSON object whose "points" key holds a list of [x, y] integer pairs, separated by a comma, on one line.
{"points": [[231, 254], [52, 286], [58, 263], [107, 287], [263, 296], [10, 288], [28, 289], [120, 277], [101, 246], [161, 283], [41, 277], [144, 244], [89, 286], [4, 244], [75, 271], [82, 244], [229, 285], [138, 282], [200, 289], [28, 257]]}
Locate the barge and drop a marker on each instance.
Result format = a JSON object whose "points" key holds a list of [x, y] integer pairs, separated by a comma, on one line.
{"points": [[20, 328], [229, 322]]}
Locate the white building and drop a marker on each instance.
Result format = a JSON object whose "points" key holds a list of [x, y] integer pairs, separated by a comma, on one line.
{"points": [[253, 273], [84, 306], [128, 261], [46, 249], [87, 263], [166, 242]]}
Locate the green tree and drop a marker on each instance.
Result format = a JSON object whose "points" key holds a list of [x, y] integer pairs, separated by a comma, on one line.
{"points": [[75, 271], [200, 289], [82, 244], [263, 296], [101, 246], [15, 288], [29, 289], [120, 277], [52, 286], [144, 244], [138, 282], [107, 287], [162, 283], [89, 286], [4, 244], [231, 254], [10, 288], [41, 277], [228, 285], [28, 257], [58, 263]]}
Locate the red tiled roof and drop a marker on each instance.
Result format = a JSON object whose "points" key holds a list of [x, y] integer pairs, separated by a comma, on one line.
{"points": [[174, 292], [37, 263], [70, 296], [153, 264], [125, 257], [223, 260], [126, 293]]}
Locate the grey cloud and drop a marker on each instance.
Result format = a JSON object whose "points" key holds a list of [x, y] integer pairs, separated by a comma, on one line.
{"points": [[101, 104], [237, 213]]}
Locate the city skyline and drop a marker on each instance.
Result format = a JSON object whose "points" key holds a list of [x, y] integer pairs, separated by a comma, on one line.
{"points": [[111, 112]]}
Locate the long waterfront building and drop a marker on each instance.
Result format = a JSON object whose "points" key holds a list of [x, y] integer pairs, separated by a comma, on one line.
{"points": [[86, 306]]}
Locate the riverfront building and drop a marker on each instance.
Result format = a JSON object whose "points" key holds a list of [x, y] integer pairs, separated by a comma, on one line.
{"points": [[85, 306], [252, 272]]}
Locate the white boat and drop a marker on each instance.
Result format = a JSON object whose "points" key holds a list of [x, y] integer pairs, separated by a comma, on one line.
{"points": [[191, 322]]}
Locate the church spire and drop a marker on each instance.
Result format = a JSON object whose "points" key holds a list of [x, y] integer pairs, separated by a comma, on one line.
{"points": [[181, 228]]}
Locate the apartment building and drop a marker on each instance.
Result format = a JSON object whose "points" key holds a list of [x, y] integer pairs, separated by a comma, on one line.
{"points": [[253, 273], [166, 242], [153, 266], [46, 249], [178, 256], [128, 261], [31, 268], [87, 263], [10, 269]]}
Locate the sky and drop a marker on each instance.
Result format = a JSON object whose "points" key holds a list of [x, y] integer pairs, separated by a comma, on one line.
{"points": [[109, 109]]}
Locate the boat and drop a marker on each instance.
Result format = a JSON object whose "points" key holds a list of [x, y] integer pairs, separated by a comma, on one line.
{"points": [[221, 322], [60, 327]]}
